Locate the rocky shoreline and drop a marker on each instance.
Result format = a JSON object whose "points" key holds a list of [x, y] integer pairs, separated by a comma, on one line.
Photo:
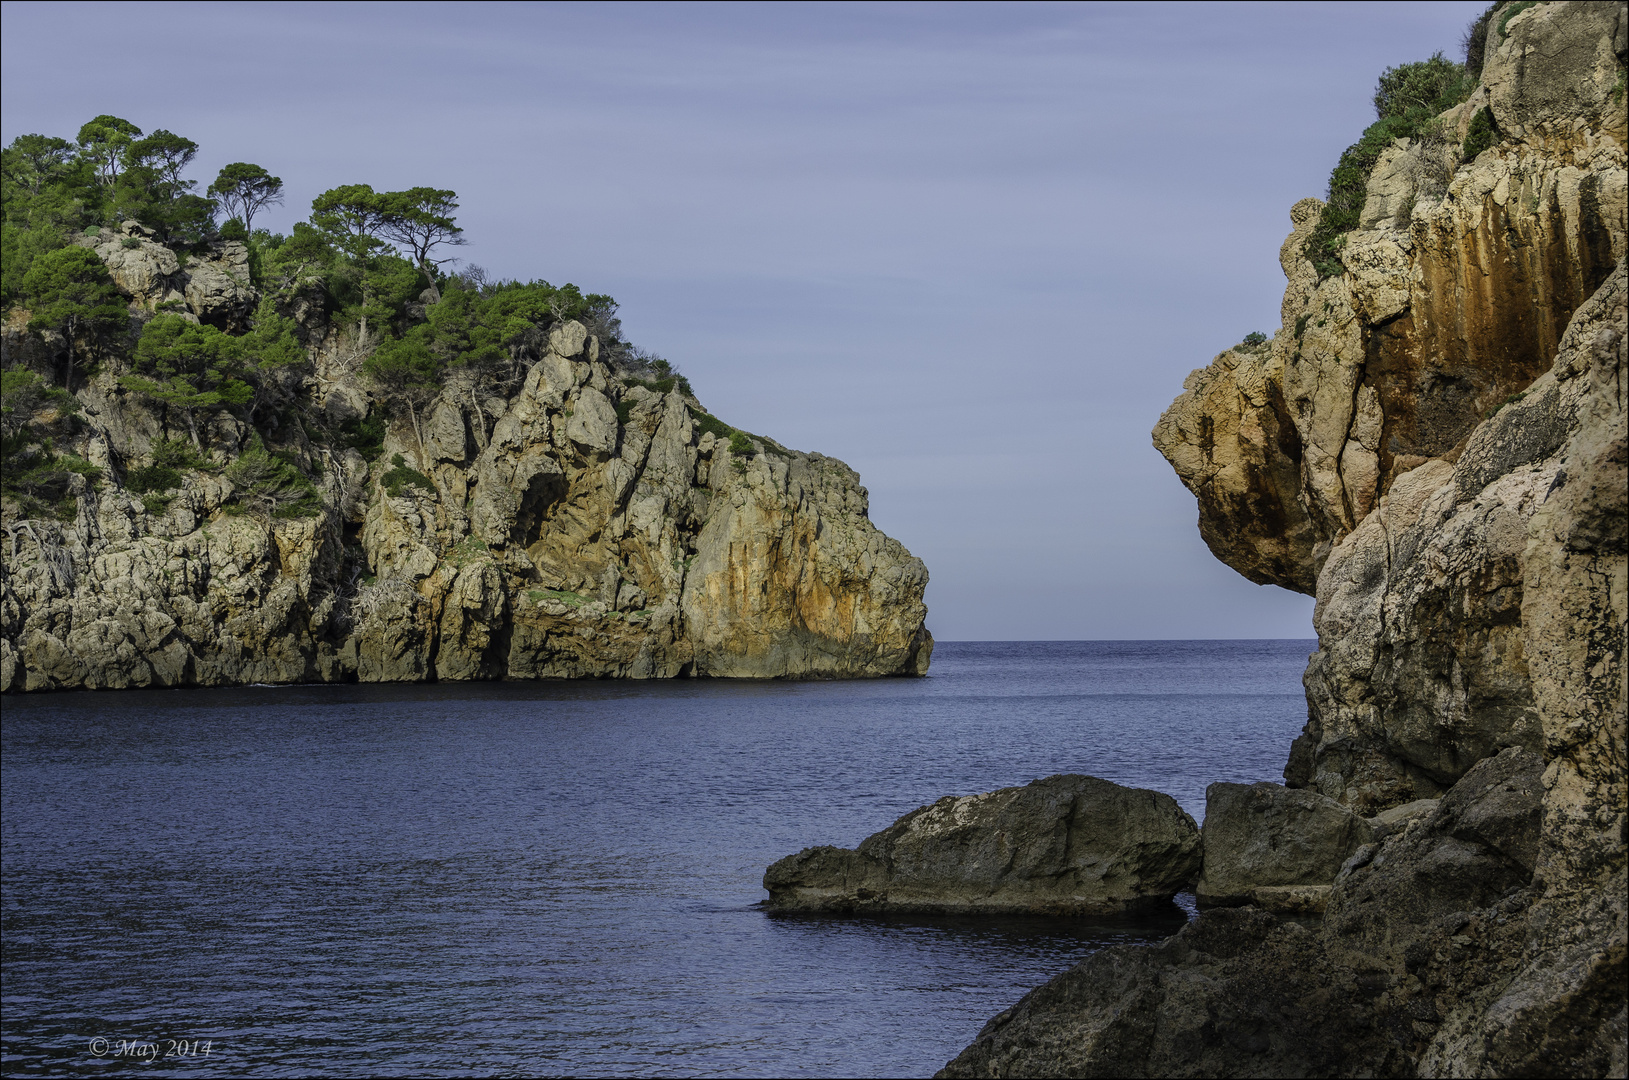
{"points": [[1435, 445]]}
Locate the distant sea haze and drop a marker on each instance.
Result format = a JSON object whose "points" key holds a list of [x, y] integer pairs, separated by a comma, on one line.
{"points": [[560, 878]]}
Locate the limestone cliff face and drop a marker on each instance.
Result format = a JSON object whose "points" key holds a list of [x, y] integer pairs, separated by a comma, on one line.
{"points": [[1435, 446], [584, 527], [1312, 455], [1457, 290]]}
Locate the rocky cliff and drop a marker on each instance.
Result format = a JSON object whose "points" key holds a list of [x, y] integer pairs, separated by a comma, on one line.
{"points": [[1434, 445], [583, 525]]}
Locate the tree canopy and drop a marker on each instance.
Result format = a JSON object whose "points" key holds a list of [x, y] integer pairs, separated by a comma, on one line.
{"points": [[373, 264], [71, 294], [189, 367], [351, 217], [33, 161], [418, 221], [244, 189], [103, 140]]}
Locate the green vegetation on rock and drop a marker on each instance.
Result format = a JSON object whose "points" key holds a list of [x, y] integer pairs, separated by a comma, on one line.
{"points": [[708, 424], [1480, 135], [189, 368], [403, 476], [1407, 101], [72, 299], [272, 484], [33, 415], [171, 457], [370, 264]]}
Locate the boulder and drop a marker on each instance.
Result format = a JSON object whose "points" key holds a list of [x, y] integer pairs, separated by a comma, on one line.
{"points": [[145, 271], [217, 285], [1274, 846], [1065, 845], [593, 424], [212, 286], [1420, 943], [1398, 818]]}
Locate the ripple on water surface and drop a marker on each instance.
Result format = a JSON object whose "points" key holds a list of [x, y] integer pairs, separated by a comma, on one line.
{"points": [[559, 877]]}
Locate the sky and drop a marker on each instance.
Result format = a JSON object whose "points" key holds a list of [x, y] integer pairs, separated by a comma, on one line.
{"points": [[971, 250]]}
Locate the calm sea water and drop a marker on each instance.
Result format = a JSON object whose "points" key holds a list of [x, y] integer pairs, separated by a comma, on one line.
{"points": [[525, 878]]}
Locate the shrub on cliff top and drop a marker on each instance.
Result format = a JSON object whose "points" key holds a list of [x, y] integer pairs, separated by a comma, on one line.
{"points": [[707, 423], [1407, 98], [1483, 31], [1475, 42], [1430, 85], [1510, 11]]}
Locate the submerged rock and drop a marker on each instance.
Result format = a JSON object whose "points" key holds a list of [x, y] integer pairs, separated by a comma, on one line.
{"points": [[1065, 845]]}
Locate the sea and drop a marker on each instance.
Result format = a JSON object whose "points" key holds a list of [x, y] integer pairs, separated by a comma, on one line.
{"points": [[560, 878]]}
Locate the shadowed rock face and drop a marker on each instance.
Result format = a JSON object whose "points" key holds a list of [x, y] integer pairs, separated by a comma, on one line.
{"points": [[1274, 846], [1480, 932], [1424, 965], [584, 527], [1066, 845]]}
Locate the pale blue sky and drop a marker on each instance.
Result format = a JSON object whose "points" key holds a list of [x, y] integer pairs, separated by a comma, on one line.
{"points": [[971, 250]]}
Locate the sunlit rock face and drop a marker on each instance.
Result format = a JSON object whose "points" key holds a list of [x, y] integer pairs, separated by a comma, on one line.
{"points": [[1456, 293], [1388, 448], [584, 527]]}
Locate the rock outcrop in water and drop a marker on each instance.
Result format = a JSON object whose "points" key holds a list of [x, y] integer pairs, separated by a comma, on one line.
{"points": [[1434, 444], [1065, 845], [585, 526]]}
